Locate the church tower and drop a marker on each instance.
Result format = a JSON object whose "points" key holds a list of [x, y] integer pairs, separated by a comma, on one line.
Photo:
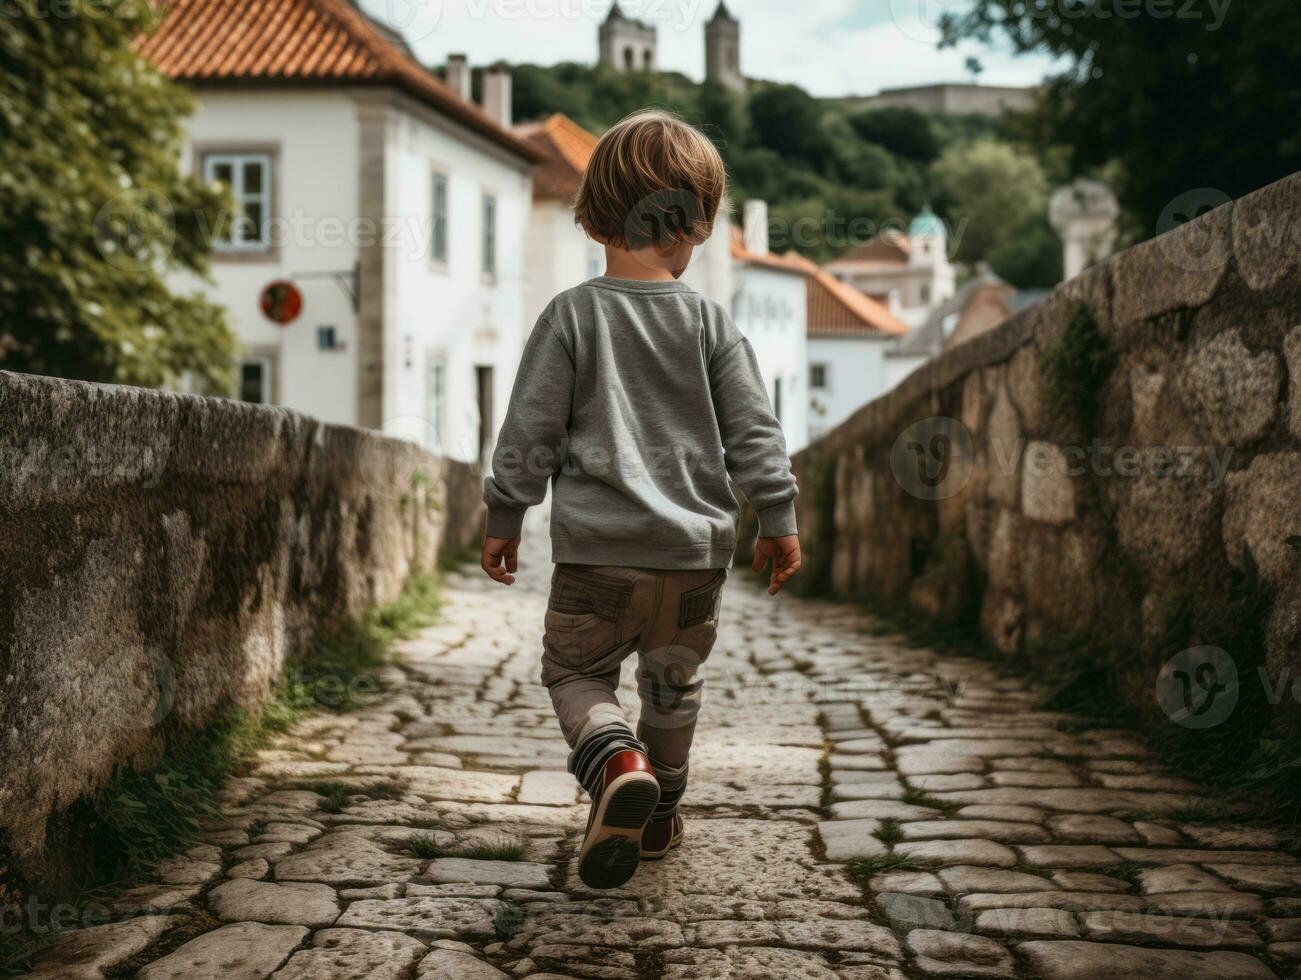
{"points": [[723, 49], [627, 44]]}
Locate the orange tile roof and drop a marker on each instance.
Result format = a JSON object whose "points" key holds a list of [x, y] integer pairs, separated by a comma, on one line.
{"points": [[835, 308], [890, 248], [778, 263], [278, 42], [565, 148]]}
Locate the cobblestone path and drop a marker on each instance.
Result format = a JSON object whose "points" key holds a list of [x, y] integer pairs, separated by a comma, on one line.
{"points": [[993, 839]]}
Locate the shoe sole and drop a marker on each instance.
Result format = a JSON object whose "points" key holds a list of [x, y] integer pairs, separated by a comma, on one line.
{"points": [[612, 848]]}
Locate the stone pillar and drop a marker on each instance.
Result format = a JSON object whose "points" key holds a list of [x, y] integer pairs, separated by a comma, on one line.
{"points": [[1084, 214]]}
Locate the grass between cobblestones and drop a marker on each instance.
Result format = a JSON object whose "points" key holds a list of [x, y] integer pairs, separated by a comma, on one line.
{"points": [[426, 848], [916, 797], [147, 815], [867, 868], [336, 794], [889, 833]]}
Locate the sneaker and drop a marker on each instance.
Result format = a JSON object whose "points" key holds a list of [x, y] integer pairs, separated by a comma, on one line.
{"points": [[661, 836], [612, 848]]}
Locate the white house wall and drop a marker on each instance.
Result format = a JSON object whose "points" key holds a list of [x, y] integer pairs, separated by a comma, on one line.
{"points": [[712, 272], [560, 256], [771, 310], [451, 312], [857, 372], [313, 140]]}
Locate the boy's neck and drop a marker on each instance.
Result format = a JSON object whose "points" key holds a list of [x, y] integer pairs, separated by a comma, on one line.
{"points": [[623, 264]]}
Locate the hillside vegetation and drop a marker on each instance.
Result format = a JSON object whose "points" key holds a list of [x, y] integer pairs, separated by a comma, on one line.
{"points": [[835, 175]]}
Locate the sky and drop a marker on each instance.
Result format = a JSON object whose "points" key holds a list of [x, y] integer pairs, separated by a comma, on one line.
{"points": [[829, 47]]}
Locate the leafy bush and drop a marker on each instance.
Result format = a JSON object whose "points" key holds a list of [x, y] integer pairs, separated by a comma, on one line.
{"points": [[94, 208]]}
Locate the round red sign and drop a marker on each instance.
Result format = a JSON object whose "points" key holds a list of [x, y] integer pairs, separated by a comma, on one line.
{"points": [[282, 302]]}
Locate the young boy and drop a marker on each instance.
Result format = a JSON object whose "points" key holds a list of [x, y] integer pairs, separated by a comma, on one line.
{"points": [[638, 399]]}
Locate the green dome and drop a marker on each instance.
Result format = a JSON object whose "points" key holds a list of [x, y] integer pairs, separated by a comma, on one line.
{"points": [[926, 223]]}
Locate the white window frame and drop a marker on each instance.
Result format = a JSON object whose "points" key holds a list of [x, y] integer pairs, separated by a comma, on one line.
{"points": [[237, 161], [488, 235], [436, 395], [440, 220]]}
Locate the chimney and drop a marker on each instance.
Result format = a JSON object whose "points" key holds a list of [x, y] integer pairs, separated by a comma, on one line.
{"points": [[756, 227], [497, 93], [458, 75]]}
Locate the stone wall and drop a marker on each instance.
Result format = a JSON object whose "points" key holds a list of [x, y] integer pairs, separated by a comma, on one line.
{"points": [[463, 534], [1114, 474], [161, 558]]}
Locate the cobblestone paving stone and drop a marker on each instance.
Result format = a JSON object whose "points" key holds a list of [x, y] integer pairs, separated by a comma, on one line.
{"points": [[993, 839]]}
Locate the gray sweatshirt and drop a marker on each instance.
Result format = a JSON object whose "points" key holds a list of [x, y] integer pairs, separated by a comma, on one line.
{"points": [[638, 400]]}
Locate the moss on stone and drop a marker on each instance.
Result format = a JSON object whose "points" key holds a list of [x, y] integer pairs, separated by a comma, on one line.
{"points": [[1074, 370]]}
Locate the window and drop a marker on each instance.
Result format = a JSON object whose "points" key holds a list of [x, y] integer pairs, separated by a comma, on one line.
{"points": [[629, 58], [248, 175], [255, 380], [925, 294], [438, 229], [327, 338], [489, 235], [817, 375], [483, 384], [436, 398], [595, 262]]}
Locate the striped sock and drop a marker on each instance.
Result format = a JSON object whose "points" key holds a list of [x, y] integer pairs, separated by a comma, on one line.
{"points": [[673, 786], [588, 760]]}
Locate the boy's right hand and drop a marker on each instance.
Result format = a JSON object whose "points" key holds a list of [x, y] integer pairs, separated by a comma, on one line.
{"points": [[501, 559], [785, 555]]}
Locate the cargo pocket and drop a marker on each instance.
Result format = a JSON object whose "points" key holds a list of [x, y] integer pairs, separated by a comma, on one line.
{"points": [[585, 617], [576, 592], [701, 605]]}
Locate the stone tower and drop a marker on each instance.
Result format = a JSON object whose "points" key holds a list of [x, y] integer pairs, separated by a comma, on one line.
{"points": [[723, 49], [627, 44]]}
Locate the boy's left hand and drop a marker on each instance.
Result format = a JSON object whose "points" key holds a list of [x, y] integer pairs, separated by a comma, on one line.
{"points": [[501, 559]]}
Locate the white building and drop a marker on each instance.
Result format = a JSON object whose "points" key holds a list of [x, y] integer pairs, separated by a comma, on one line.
{"points": [[394, 207], [983, 302], [559, 255], [770, 307], [908, 274], [850, 339]]}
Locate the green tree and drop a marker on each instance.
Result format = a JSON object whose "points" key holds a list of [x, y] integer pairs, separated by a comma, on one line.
{"points": [[1031, 256], [93, 207], [905, 132], [788, 120], [1184, 96], [722, 116], [991, 190]]}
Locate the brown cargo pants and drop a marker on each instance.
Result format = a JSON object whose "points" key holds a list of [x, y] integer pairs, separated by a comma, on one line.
{"points": [[597, 617]]}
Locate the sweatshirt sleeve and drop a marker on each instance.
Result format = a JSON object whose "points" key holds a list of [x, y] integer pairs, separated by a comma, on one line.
{"points": [[530, 446], [754, 448]]}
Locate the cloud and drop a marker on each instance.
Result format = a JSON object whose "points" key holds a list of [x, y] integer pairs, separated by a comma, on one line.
{"points": [[829, 47]]}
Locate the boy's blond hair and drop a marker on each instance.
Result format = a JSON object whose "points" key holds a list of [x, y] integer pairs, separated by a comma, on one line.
{"points": [[653, 181]]}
